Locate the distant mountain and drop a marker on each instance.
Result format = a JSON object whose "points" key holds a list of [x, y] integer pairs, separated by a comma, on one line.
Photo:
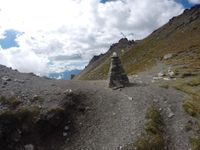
{"points": [[94, 68], [180, 37], [66, 75]]}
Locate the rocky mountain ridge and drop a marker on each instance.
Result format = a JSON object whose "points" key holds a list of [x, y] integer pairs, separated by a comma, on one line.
{"points": [[180, 35]]}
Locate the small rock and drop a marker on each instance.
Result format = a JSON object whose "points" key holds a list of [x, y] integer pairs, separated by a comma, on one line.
{"points": [[87, 108], [29, 147], [135, 76], [6, 78], [171, 73], [21, 81], [35, 97], [66, 128], [166, 79], [157, 78], [161, 74], [170, 113], [67, 140], [68, 92], [140, 82], [65, 133], [130, 98], [5, 83], [12, 93], [168, 56]]}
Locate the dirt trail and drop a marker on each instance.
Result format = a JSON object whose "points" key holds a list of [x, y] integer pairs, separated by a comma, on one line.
{"points": [[114, 118]]}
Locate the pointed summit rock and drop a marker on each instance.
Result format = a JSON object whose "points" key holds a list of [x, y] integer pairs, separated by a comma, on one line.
{"points": [[117, 76]]}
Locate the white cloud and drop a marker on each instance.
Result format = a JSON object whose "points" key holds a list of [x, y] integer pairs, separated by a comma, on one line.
{"points": [[24, 60], [66, 28], [194, 1]]}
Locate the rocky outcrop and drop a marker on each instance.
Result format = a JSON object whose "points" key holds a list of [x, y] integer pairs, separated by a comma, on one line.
{"points": [[95, 58], [121, 47], [117, 75]]}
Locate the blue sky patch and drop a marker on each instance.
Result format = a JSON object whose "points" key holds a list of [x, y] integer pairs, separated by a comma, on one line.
{"points": [[103, 1], [10, 39], [185, 3]]}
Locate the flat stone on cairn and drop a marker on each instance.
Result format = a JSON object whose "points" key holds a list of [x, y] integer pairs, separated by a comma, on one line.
{"points": [[117, 76]]}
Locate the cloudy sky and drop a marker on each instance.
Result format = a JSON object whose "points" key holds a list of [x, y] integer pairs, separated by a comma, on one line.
{"points": [[44, 36]]}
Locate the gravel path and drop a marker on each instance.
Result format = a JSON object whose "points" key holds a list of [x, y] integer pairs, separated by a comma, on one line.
{"points": [[116, 117]]}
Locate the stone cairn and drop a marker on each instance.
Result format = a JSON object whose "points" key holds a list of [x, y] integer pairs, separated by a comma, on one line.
{"points": [[117, 76]]}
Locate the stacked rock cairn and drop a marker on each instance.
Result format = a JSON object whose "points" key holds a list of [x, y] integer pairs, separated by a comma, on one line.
{"points": [[117, 77]]}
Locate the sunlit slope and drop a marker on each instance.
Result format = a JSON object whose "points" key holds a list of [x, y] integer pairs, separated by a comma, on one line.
{"points": [[180, 37]]}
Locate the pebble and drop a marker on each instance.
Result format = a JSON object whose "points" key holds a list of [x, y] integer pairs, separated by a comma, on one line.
{"points": [[5, 83], [161, 74], [68, 92], [6, 78], [65, 134], [67, 140], [20, 81], [29, 147], [170, 113], [130, 98], [35, 97], [166, 79], [66, 128]]}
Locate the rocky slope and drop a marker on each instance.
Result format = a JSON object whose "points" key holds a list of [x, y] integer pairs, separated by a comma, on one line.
{"points": [[34, 111]]}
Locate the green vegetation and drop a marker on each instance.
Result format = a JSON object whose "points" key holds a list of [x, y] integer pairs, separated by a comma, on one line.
{"points": [[22, 114], [38, 98], [11, 102], [192, 107], [191, 86], [195, 142], [57, 110], [153, 138]]}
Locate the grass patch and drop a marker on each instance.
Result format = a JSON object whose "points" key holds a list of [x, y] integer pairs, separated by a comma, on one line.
{"points": [[22, 114], [38, 98], [153, 138], [12, 101], [195, 142], [191, 106]]}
